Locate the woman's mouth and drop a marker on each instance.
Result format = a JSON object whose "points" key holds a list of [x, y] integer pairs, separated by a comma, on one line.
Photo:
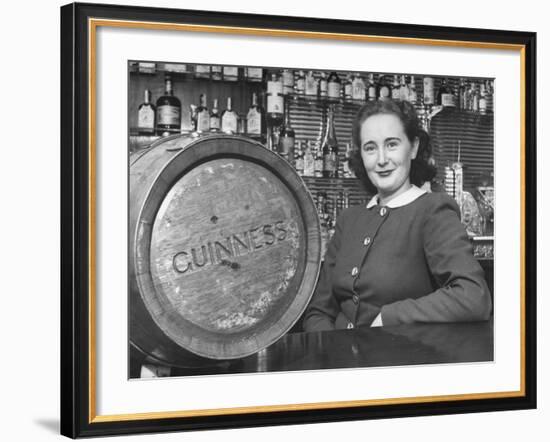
{"points": [[384, 173]]}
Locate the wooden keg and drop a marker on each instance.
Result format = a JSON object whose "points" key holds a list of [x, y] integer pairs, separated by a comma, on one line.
{"points": [[224, 248]]}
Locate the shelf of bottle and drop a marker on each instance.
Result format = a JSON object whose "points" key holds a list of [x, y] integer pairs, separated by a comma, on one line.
{"points": [[191, 75]]}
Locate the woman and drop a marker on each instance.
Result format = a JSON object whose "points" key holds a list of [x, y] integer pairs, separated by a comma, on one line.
{"points": [[405, 257]]}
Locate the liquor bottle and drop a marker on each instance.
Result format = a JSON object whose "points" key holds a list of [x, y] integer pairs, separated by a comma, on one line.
{"points": [[230, 73], [395, 89], [288, 81], [216, 72], [384, 89], [323, 85], [299, 158], [309, 160], [348, 86], [229, 119], [311, 84], [318, 155], [333, 87], [329, 147], [445, 96], [253, 74], [358, 88], [429, 97], [348, 173], [474, 97], [403, 90], [371, 91], [301, 83], [146, 115], [255, 120], [482, 99], [286, 138], [203, 116], [215, 120], [168, 110], [413, 96], [275, 101]]}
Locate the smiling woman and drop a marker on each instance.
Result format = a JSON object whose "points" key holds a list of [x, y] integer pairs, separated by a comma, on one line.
{"points": [[405, 257]]}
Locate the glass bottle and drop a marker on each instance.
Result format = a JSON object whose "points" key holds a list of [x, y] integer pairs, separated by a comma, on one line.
{"points": [[403, 90], [286, 138], [348, 88], [301, 83], [318, 163], [482, 99], [445, 96], [275, 101], [413, 96], [146, 115], [429, 95], [329, 147], [384, 89], [371, 90], [215, 120], [311, 84], [333, 88], [358, 88], [168, 110], [323, 85], [395, 89], [288, 81], [229, 119], [255, 119], [203, 116]]}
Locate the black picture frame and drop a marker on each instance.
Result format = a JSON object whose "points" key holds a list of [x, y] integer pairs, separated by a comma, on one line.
{"points": [[78, 418]]}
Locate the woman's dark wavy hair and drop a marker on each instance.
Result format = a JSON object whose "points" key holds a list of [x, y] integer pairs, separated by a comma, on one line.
{"points": [[422, 167]]}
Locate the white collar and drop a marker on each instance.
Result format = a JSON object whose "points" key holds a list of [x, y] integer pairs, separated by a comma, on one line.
{"points": [[401, 200]]}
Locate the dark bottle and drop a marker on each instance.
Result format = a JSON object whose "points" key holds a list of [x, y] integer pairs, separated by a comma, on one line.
{"points": [[203, 116], [255, 118], [286, 138], [215, 119], [329, 147], [168, 110], [146, 116]]}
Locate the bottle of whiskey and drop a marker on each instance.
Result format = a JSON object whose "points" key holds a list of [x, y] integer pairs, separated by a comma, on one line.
{"points": [[403, 90], [286, 138], [229, 119], [203, 116], [348, 88], [255, 121], [215, 120], [329, 147], [384, 89], [275, 101], [334, 86], [358, 88], [309, 161], [445, 96], [168, 110], [146, 115]]}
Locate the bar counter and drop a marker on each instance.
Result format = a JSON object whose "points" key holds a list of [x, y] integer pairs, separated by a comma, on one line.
{"points": [[361, 347]]}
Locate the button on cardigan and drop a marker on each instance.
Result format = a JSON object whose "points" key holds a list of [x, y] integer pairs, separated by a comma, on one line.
{"points": [[416, 266]]}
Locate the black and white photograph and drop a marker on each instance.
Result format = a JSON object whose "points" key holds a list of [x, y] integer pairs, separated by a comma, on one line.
{"points": [[285, 219]]}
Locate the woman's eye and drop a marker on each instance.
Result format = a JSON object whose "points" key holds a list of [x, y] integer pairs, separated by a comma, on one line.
{"points": [[392, 144], [369, 147]]}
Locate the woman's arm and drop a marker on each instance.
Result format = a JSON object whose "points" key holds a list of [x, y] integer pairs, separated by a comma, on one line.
{"points": [[323, 308], [463, 294]]}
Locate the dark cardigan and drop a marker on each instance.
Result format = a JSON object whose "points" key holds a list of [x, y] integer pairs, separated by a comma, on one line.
{"points": [[414, 263]]}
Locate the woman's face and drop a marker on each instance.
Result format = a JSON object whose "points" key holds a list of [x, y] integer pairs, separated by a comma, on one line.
{"points": [[387, 154]]}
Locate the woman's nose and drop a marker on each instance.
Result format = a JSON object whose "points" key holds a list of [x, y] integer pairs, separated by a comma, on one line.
{"points": [[382, 157]]}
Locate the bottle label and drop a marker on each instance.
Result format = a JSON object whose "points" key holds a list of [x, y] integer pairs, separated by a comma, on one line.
{"points": [[254, 122], [215, 123], [334, 89], [275, 104], [274, 87], [146, 118], [168, 114], [229, 123], [203, 121], [329, 163], [448, 100]]}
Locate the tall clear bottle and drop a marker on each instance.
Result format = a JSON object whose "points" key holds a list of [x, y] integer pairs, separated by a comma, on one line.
{"points": [[168, 110], [229, 119], [146, 115], [203, 116], [215, 119], [255, 118], [329, 147]]}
